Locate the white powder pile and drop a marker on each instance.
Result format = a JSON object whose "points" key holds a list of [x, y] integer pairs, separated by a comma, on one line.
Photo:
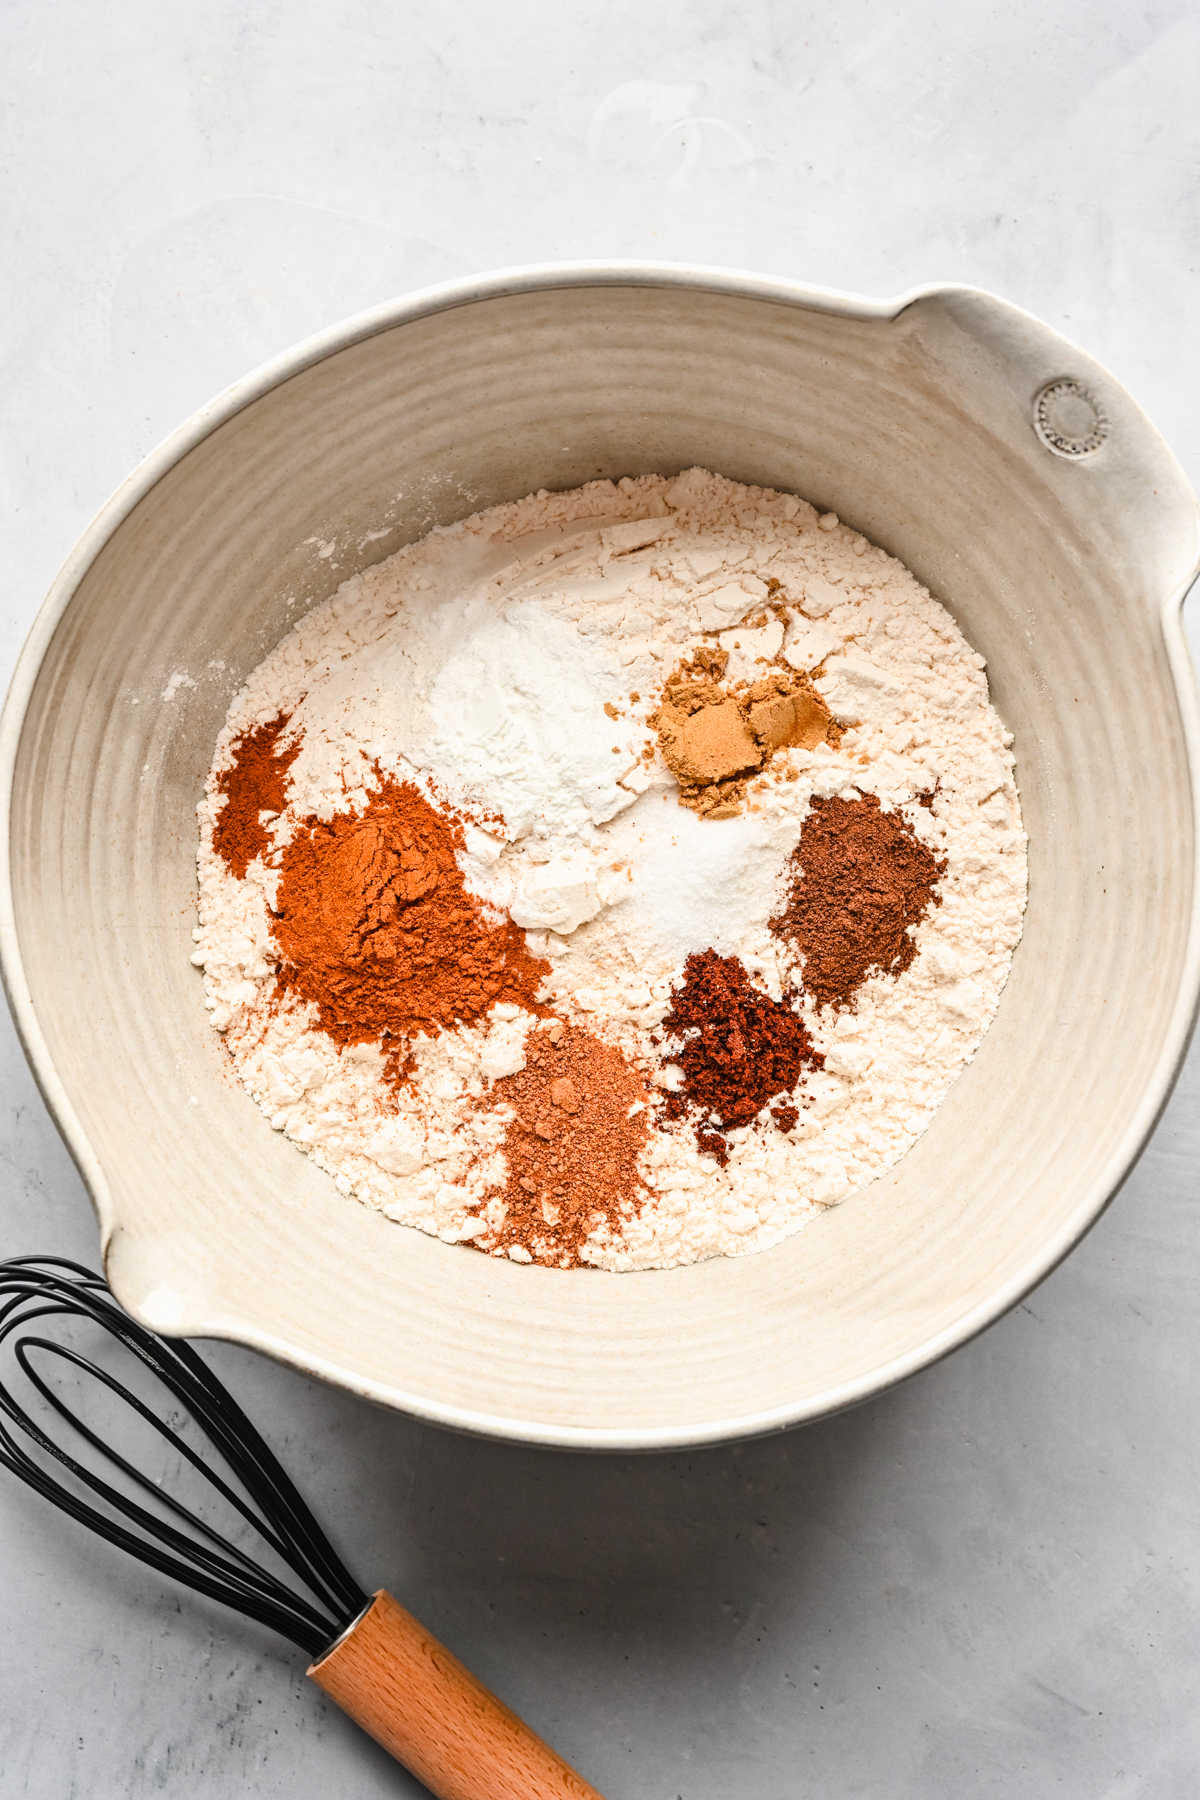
{"points": [[509, 666]]}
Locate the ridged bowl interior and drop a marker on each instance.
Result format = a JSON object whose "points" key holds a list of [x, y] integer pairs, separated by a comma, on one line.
{"points": [[915, 425]]}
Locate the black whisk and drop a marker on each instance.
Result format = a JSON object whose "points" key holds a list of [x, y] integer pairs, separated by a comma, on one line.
{"points": [[368, 1653], [38, 1288]]}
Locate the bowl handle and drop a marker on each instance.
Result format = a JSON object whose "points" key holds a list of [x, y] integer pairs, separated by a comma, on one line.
{"points": [[1071, 423]]}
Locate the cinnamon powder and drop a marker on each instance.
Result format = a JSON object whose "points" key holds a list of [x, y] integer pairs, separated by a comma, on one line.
{"points": [[254, 784], [739, 1050], [859, 881], [376, 929], [581, 1119]]}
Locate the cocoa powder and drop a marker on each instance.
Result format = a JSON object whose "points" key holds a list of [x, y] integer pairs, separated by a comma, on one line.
{"points": [[376, 929], [573, 1144], [254, 784], [859, 881], [738, 1050]]}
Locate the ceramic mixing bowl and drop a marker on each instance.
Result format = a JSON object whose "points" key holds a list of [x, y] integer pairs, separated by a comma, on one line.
{"points": [[1007, 469]]}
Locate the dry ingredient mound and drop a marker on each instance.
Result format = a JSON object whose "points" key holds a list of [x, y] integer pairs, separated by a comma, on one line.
{"points": [[738, 1050], [580, 1117], [252, 788], [616, 877], [376, 931], [859, 883], [714, 736]]}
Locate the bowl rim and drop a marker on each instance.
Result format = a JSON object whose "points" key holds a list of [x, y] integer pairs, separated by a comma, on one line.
{"points": [[445, 297]]}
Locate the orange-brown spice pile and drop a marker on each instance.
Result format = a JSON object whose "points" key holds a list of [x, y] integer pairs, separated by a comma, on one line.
{"points": [[254, 783], [376, 928], [581, 1119]]}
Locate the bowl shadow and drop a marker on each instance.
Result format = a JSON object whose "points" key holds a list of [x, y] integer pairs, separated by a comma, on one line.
{"points": [[543, 1566]]}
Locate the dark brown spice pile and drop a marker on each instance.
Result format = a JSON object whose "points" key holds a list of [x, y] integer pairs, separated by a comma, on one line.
{"points": [[254, 783], [572, 1148], [859, 880], [739, 1050]]}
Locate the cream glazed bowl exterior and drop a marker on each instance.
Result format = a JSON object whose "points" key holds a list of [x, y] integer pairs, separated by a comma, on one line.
{"points": [[1007, 469]]}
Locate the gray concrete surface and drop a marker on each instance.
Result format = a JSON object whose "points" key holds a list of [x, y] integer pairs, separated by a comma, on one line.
{"points": [[985, 1584]]}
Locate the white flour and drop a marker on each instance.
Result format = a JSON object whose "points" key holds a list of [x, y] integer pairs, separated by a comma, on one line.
{"points": [[480, 662]]}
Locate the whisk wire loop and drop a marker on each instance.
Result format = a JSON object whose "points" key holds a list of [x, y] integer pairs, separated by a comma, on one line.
{"points": [[36, 1289]]}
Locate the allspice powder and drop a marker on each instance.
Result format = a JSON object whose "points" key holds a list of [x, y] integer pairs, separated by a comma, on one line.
{"points": [[859, 881]]}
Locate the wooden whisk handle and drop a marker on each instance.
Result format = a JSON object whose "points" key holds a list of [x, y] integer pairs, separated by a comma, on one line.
{"points": [[419, 1702]]}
